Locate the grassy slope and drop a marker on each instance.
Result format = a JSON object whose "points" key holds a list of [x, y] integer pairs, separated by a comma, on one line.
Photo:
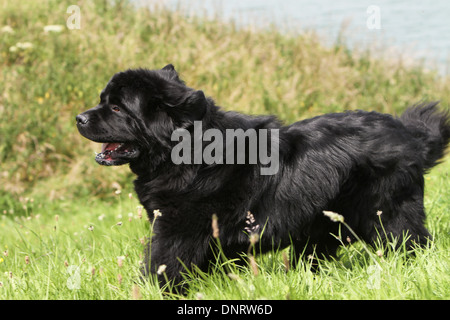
{"points": [[94, 238], [44, 158]]}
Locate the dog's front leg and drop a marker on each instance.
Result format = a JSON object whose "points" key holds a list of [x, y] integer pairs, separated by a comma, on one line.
{"points": [[170, 257]]}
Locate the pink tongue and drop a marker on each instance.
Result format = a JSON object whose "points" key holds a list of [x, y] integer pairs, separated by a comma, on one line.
{"points": [[109, 146]]}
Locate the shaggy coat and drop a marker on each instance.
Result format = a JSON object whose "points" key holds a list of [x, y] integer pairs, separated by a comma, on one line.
{"points": [[366, 166]]}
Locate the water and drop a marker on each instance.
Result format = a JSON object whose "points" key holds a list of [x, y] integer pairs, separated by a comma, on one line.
{"points": [[418, 30]]}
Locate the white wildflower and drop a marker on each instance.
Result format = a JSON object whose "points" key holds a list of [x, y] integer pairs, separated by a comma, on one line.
{"points": [[335, 217], [250, 221], [157, 213], [161, 269], [24, 45], [53, 28], [7, 29], [139, 211], [120, 261]]}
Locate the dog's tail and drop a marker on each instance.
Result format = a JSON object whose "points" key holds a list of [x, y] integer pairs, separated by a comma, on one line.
{"points": [[431, 127]]}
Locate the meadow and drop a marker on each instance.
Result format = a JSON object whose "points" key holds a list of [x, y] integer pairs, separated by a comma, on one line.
{"points": [[70, 229]]}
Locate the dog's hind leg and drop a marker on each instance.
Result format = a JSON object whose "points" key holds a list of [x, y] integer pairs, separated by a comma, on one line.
{"points": [[402, 230], [398, 216], [313, 249]]}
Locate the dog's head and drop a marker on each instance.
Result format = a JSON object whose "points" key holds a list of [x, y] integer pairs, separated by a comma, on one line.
{"points": [[138, 111]]}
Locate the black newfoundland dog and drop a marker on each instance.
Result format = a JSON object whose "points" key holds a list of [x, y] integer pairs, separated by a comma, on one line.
{"points": [[366, 166]]}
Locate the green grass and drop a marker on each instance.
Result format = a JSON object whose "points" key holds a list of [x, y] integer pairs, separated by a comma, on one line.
{"points": [[47, 168], [43, 244], [65, 242]]}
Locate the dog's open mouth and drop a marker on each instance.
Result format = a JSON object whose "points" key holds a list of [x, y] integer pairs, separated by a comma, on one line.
{"points": [[116, 153]]}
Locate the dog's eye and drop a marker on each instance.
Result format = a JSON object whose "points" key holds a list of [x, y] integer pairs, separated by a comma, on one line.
{"points": [[115, 108]]}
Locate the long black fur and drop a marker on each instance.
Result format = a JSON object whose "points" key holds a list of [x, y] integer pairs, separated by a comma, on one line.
{"points": [[354, 163]]}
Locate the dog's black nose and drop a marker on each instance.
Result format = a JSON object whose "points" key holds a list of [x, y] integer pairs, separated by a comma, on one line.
{"points": [[81, 119]]}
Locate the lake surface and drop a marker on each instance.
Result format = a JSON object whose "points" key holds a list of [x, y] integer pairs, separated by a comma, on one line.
{"points": [[415, 29]]}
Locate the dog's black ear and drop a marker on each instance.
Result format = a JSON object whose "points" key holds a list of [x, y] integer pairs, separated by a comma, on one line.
{"points": [[171, 72], [169, 67], [191, 107], [196, 105]]}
